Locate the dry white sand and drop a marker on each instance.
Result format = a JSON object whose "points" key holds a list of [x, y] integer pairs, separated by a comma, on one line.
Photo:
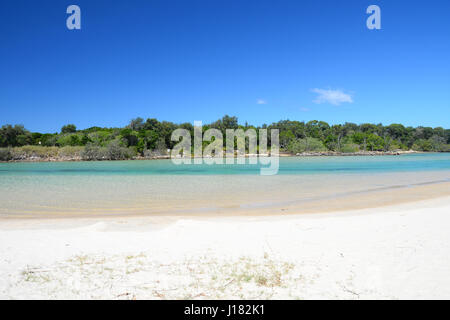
{"points": [[393, 252]]}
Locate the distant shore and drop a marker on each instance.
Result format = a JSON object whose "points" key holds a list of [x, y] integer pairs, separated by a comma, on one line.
{"points": [[68, 158]]}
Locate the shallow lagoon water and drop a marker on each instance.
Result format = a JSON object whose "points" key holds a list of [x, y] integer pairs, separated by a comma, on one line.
{"points": [[288, 165], [161, 187]]}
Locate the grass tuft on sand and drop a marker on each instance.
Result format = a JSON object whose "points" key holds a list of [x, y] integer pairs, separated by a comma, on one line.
{"points": [[137, 276]]}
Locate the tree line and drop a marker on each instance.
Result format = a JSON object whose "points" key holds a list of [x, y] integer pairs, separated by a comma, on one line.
{"points": [[152, 137]]}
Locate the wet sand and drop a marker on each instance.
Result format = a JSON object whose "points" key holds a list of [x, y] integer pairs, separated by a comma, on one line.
{"points": [[186, 196], [363, 199]]}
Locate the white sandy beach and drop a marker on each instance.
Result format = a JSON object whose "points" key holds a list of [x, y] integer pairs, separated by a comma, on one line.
{"points": [[394, 252]]}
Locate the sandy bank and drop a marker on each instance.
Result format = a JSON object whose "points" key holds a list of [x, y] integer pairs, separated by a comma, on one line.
{"points": [[400, 251]]}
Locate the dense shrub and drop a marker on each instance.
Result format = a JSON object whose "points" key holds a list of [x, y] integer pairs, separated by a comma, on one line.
{"points": [[306, 145], [70, 151], [113, 151], [93, 152], [72, 139], [27, 152], [116, 151], [101, 137], [422, 145], [160, 150], [69, 128], [295, 136], [349, 148], [396, 145], [5, 154]]}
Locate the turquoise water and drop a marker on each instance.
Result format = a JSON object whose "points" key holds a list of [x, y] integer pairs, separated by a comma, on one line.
{"points": [[289, 166], [161, 187]]}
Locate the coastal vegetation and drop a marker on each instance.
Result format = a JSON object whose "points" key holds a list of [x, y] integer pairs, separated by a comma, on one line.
{"points": [[152, 138]]}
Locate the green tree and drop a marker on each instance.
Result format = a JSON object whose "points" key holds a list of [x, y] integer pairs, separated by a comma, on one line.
{"points": [[437, 143], [69, 128], [130, 137], [374, 142], [285, 138], [422, 145], [13, 136], [136, 124]]}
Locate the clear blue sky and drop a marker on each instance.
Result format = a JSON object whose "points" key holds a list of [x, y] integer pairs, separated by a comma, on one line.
{"points": [[198, 60]]}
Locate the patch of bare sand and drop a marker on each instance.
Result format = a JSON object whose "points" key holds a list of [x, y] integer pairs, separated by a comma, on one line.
{"points": [[399, 251]]}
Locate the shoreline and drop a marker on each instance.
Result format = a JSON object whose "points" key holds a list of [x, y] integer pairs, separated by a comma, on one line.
{"points": [[34, 158], [371, 199]]}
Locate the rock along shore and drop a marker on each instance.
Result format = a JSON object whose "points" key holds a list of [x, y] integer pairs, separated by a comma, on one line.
{"points": [[37, 158]]}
